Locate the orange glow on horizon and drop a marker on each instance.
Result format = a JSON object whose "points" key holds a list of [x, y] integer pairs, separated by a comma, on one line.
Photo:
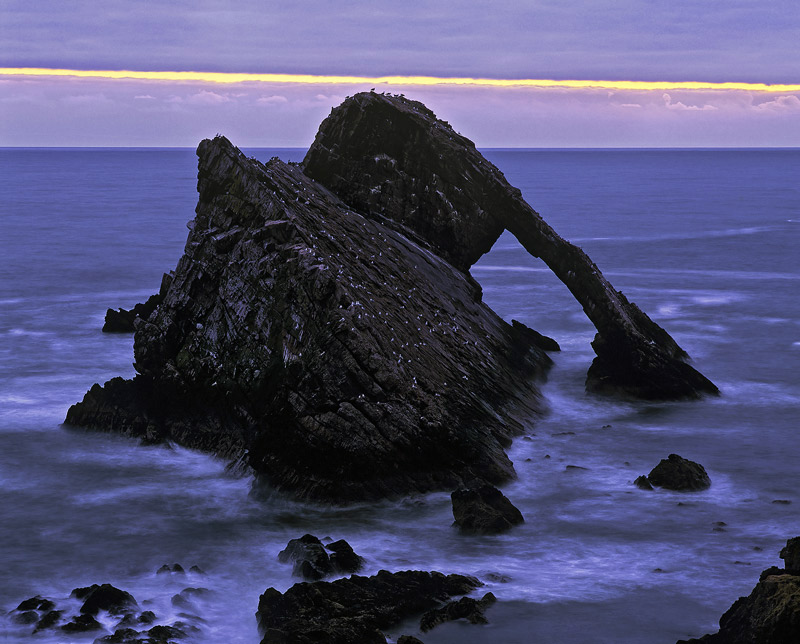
{"points": [[310, 79]]}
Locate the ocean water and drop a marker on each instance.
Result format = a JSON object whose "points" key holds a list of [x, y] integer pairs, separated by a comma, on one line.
{"points": [[705, 241]]}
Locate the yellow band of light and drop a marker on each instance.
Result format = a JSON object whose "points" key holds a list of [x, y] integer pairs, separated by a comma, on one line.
{"points": [[225, 77]]}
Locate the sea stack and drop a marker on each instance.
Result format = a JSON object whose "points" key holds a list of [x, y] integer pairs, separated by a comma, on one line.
{"points": [[322, 327]]}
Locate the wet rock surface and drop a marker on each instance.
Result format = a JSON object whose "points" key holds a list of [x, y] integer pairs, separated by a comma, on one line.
{"points": [[311, 559], [769, 615], [473, 610], [123, 320], [99, 604], [393, 160], [679, 474], [356, 609], [334, 356], [483, 509]]}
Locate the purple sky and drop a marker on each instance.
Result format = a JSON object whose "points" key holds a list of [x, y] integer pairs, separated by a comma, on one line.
{"points": [[712, 40]]}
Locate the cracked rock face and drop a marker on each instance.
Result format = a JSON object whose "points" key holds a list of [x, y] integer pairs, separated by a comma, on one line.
{"points": [[392, 159], [328, 352]]}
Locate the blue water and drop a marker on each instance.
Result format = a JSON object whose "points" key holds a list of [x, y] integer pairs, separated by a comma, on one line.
{"points": [[704, 241]]}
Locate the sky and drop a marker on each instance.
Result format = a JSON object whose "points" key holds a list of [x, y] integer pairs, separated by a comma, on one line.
{"points": [[603, 41]]}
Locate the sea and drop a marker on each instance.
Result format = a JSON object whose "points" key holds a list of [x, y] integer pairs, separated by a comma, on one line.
{"points": [[704, 240]]}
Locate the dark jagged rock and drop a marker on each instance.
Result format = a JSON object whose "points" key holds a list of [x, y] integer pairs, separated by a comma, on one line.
{"points": [[25, 617], [122, 320], [529, 336], [643, 483], [36, 603], [680, 474], [174, 568], [337, 358], [312, 561], [408, 639], [791, 556], [344, 559], [48, 620], [355, 609], [391, 159], [769, 615], [185, 598], [473, 610], [120, 636], [105, 597], [484, 510], [82, 624]]}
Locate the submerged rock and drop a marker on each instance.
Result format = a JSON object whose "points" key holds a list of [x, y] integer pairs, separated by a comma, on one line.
{"points": [[680, 474], [105, 597], [391, 158], [769, 615], [356, 609], [473, 610], [336, 357], [484, 510]]}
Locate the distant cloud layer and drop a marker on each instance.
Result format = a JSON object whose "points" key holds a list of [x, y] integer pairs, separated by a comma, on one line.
{"points": [[639, 40], [101, 112], [719, 40]]}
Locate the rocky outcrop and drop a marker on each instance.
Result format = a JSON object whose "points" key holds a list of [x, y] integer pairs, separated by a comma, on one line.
{"points": [[791, 556], [123, 320], [333, 355], [483, 509], [677, 473], [391, 158], [769, 615], [356, 609]]}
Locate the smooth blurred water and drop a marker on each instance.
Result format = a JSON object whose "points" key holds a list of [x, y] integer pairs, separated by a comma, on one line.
{"points": [[704, 241]]}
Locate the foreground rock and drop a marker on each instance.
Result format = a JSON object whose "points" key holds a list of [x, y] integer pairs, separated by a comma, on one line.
{"points": [[769, 615], [356, 609], [331, 354], [473, 610], [392, 159], [312, 561], [484, 509], [99, 603], [676, 473]]}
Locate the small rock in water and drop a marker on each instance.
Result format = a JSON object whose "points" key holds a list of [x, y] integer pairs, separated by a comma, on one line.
{"points": [[105, 597], [174, 568], [782, 502], [120, 636], [680, 474], [48, 620], [25, 617], [575, 467], [197, 570], [36, 603], [408, 639], [311, 560], [82, 624], [484, 510], [642, 483], [344, 559]]}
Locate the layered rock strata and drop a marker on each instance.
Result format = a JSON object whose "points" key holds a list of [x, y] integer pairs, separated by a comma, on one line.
{"points": [[391, 158], [332, 354]]}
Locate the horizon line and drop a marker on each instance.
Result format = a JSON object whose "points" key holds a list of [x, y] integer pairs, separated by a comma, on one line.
{"points": [[314, 79]]}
